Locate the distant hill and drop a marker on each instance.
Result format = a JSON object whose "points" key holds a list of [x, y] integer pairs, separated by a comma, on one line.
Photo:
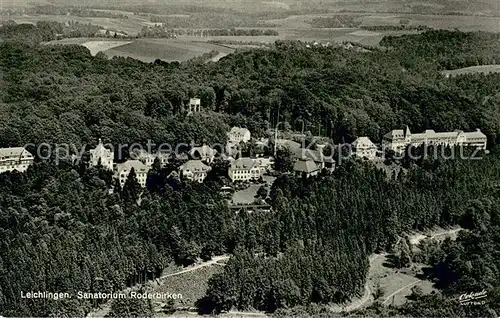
{"points": [[466, 7]]}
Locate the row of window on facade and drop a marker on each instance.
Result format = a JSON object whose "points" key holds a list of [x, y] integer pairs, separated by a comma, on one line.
{"points": [[397, 140], [16, 158], [195, 170], [244, 169]]}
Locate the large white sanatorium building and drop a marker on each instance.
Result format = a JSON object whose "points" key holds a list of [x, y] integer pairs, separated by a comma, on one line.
{"points": [[15, 159], [363, 147], [244, 169], [140, 169], [398, 139]]}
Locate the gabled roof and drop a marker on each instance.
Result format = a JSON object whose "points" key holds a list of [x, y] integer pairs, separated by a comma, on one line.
{"points": [[475, 134], [430, 133], [292, 145], [307, 166], [195, 166], [395, 134], [12, 152], [243, 163], [129, 164], [100, 150], [239, 130], [363, 142], [316, 156]]}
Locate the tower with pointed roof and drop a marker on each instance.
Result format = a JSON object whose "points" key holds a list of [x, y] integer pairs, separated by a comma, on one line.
{"points": [[407, 135], [101, 155]]}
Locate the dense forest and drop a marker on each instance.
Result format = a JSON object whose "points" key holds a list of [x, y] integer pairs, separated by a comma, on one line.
{"points": [[74, 11], [162, 32], [326, 228], [208, 19], [401, 27], [46, 31], [338, 21], [61, 229], [337, 92]]}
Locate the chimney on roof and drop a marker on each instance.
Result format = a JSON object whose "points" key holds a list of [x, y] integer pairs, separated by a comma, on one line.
{"points": [[478, 130]]}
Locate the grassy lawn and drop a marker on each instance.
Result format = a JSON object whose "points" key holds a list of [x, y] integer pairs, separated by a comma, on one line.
{"points": [[148, 50], [191, 285], [248, 195], [395, 284]]}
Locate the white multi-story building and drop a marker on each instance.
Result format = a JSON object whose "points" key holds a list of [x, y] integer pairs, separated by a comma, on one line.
{"points": [[363, 147], [203, 153], [16, 158], [397, 140], [194, 170], [244, 169], [140, 169], [238, 134], [148, 158], [102, 155]]}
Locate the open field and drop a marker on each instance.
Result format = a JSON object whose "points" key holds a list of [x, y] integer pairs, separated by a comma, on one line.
{"points": [[192, 285], [485, 69], [102, 46], [396, 285], [294, 27], [464, 23], [94, 45], [322, 35], [148, 50], [246, 196]]}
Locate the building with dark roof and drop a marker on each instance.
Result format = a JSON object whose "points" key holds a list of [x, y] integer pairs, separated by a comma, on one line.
{"points": [[306, 168], [317, 156]]}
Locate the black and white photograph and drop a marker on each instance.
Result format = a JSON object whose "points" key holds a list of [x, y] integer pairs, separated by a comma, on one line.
{"points": [[249, 158]]}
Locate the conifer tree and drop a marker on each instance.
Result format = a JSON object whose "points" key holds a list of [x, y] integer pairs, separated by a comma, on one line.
{"points": [[131, 188]]}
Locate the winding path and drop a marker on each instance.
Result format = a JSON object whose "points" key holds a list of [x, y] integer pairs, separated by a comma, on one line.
{"points": [[213, 261], [416, 242], [367, 298], [400, 290]]}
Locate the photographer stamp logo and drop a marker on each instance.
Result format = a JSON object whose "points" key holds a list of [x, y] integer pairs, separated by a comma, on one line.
{"points": [[473, 298]]}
